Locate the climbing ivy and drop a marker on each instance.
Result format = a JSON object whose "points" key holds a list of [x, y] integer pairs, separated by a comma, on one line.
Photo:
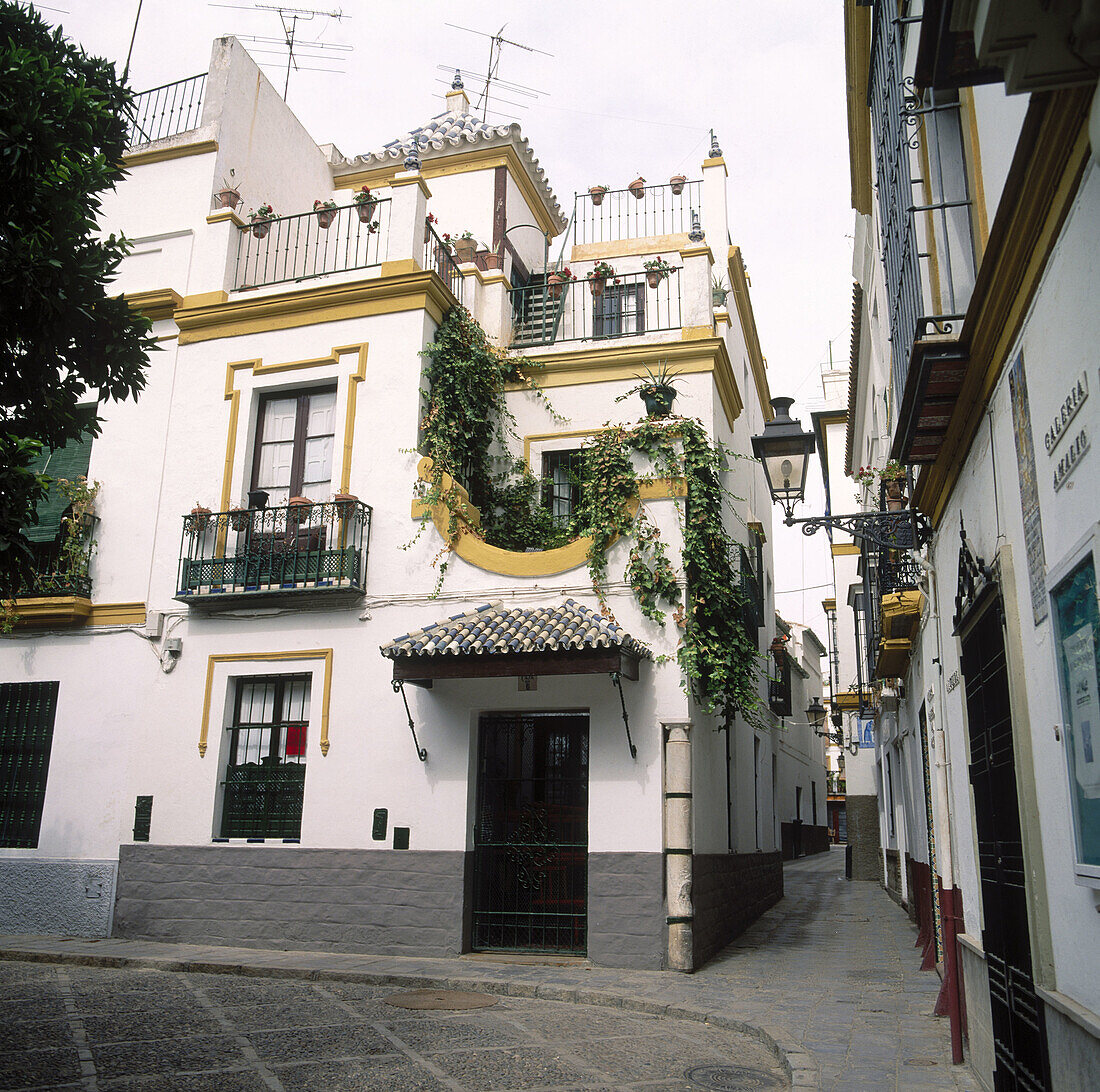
{"points": [[465, 430]]}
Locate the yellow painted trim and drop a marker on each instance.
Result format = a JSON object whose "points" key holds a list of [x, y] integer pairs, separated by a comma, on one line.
{"points": [[846, 699], [160, 303], [828, 604], [698, 252], [399, 266], [267, 657], [716, 161], [465, 162], [225, 215], [53, 610], [722, 315], [540, 437], [206, 317], [694, 333], [117, 614], [411, 178], [844, 549], [354, 380], [857, 62], [739, 288], [972, 153], [757, 529], [617, 362], [656, 489], [176, 151], [627, 248]]}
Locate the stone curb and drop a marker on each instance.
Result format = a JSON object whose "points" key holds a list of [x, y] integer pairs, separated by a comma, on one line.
{"points": [[800, 1066]]}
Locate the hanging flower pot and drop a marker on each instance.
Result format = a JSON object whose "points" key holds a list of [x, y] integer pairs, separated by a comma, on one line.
{"points": [[895, 496], [658, 400], [428, 221], [597, 279], [637, 187], [555, 280], [596, 285], [228, 198], [596, 193], [677, 182], [366, 211], [653, 278], [261, 220], [240, 519], [298, 510], [465, 248], [196, 523], [260, 228], [345, 503], [326, 212]]}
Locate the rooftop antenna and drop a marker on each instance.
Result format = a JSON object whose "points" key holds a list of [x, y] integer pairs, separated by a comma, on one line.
{"points": [[496, 41]]}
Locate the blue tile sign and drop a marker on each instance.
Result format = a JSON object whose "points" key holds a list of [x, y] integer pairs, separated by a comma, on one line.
{"points": [[866, 733]]}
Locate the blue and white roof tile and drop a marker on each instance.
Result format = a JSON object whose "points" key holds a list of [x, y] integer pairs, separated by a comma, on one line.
{"points": [[493, 630]]}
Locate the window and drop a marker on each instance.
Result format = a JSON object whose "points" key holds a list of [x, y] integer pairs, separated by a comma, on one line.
{"points": [[26, 733], [562, 491], [294, 438], [266, 758], [619, 310], [813, 802]]}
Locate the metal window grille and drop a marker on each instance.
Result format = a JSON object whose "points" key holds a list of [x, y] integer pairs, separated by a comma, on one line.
{"points": [[27, 713], [561, 474], [266, 761], [619, 310]]}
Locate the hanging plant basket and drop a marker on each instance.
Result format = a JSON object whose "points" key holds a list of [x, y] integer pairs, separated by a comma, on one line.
{"points": [[326, 216], [658, 400], [260, 228], [198, 520], [366, 213], [228, 198], [596, 193], [653, 278], [718, 297], [555, 282], [677, 182], [637, 187]]}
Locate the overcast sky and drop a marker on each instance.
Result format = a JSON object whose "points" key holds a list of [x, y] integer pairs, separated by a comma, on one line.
{"points": [[630, 88]]}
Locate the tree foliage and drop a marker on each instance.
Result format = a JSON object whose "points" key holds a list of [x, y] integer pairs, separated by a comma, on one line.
{"points": [[64, 337]]}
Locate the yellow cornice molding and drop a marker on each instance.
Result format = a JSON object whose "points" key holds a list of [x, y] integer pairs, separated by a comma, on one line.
{"points": [[739, 287], [324, 654], [618, 362], [495, 276], [857, 62], [410, 178], [226, 215], [629, 248], [757, 529], [544, 437], [157, 304], [468, 545], [53, 610], [846, 699], [716, 161], [832, 417], [117, 614], [694, 333], [176, 151], [697, 252], [1031, 213], [828, 604], [204, 318], [463, 162], [843, 549]]}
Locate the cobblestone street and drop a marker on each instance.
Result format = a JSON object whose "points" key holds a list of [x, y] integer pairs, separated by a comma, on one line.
{"points": [[823, 992]]}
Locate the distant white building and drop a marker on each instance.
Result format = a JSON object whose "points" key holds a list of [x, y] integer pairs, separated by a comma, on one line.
{"points": [[252, 721]]}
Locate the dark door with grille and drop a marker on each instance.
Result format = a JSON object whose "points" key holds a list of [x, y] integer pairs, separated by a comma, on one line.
{"points": [[1019, 1030], [531, 833], [26, 734]]}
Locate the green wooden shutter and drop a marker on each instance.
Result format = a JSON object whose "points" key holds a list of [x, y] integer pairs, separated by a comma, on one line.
{"points": [[26, 732], [70, 462]]}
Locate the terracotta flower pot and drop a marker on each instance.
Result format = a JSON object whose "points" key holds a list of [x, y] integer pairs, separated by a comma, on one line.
{"points": [[677, 182], [228, 198], [596, 285], [345, 504], [895, 496], [260, 228], [555, 282], [637, 187], [596, 193], [326, 216], [465, 250], [240, 519], [366, 213], [198, 519], [653, 278], [298, 510]]}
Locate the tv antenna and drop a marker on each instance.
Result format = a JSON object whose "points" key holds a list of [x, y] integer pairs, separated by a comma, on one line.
{"points": [[496, 42], [290, 18]]}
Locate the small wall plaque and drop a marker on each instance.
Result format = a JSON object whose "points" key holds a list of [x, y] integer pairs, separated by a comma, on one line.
{"points": [[1071, 455], [378, 829], [1073, 401], [400, 837]]}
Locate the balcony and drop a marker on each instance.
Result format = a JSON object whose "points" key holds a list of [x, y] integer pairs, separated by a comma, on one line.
{"points": [[311, 244], [274, 555], [627, 305], [167, 110], [752, 594], [60, 591], [621, 215]]}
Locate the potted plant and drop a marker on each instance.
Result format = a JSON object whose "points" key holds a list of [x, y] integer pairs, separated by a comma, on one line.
{"points": [[558, 280], [864, 478], [298, 511], [81, 497], [597, 279], [892, 476], [345, 503], [637, 187], [465, 246], [718, 292], [656, 389], [240, 518], [228, 197], [677, 182], [365, 203], [596, 193], [198, 520], [428, 221], [326, 212], [261, 220], [656, 269]]}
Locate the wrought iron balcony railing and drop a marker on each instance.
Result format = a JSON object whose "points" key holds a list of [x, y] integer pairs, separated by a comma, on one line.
{"points": [[60, 567], [752, 593], [621, 215], [312, 244], [438, 256], [284, 551], [627, 305], [164, 111]]}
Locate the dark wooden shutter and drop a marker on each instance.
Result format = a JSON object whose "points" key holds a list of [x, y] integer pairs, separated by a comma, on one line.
{"points": [[27, 713]]}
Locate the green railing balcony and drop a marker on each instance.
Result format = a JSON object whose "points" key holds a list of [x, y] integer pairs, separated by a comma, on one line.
{"points": [[277, 553], [166, 110]]}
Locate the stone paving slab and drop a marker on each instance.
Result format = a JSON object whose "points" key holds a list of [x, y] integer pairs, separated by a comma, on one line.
{"points": [[828, 982]]}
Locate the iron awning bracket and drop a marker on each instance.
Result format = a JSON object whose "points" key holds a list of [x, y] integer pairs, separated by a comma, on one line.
{"points": [[399, 688], [616, 679]]}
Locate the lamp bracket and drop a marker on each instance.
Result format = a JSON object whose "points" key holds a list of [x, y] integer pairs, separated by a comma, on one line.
{"points": [[399, 688], [617, 682], [905, 530]]}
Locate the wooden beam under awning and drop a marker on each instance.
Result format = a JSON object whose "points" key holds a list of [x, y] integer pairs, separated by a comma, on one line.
{"points": [[421, 670]]}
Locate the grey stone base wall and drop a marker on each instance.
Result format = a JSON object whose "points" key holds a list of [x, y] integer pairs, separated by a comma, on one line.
{"points": [[979, 1019], [626, 910], [863, 837], [309, 899], [730, 891], [1073, 1048], [57, 898]]}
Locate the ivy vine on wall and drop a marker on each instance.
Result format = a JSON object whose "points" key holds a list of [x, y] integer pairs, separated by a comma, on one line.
{"points": [[465, 431]]}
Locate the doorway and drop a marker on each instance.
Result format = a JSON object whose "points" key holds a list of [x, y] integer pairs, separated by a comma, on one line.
{"points": [[1019, 1028], [531, 833]]}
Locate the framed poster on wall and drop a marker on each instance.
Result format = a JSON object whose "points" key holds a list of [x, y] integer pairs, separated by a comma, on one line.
{"points": [[1076, 613]]}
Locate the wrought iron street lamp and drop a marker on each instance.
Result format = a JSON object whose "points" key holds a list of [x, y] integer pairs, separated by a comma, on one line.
{"points": [[785, 450], [816, 713]]}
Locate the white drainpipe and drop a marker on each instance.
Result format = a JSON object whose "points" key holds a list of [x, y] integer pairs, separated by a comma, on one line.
{"points": [[678, 844]]}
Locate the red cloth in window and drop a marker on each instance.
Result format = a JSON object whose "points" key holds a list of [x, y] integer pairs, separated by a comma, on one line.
{"points": [[295, 740]]}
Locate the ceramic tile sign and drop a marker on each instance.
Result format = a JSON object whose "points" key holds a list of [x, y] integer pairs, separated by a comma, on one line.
{"points": [[1029, 489], [1071, 457], [1073, 401]]}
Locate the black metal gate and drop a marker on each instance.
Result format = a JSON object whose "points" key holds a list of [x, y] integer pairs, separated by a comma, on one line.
{"points": [[531, 833], [1019, 1029]]}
